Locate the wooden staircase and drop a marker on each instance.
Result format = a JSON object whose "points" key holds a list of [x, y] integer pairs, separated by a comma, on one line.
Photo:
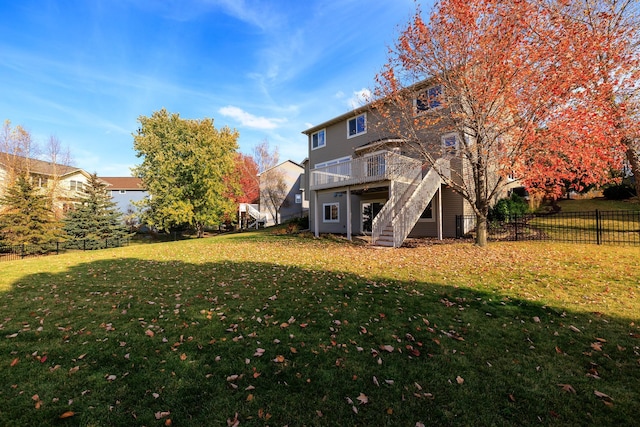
{"points": [[400, 214]]}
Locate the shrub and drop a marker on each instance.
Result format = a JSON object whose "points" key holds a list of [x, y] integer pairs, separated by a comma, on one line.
{"points": [[618, 192], [507, 207]]}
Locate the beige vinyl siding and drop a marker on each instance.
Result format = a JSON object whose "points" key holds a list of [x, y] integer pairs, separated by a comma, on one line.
{"points": [[452, 205]]}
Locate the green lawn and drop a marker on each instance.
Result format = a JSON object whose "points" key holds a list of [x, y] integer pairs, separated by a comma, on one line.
{"points": [[289, 330], [602, 204]]}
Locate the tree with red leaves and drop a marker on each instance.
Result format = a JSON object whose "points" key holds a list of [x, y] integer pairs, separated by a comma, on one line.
{"points": [[247, 170], [513, 89]]}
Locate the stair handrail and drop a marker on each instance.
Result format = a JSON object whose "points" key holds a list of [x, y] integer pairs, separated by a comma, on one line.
{"points": [[254, 213], [403, 213], [410, 212], [396, 198]]}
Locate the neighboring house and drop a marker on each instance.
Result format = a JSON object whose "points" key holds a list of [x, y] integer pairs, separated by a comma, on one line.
{"points": [[64, 183], [125, 190], [364, 181], [282, 193]]}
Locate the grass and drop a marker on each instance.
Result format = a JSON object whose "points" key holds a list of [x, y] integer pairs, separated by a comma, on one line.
{"points": [[268, 329], [582, 205]]}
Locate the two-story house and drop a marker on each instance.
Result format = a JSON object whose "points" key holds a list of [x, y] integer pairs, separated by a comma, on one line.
{"points": [[64, 184], [363, 180], [125, 191], [281, 193]]}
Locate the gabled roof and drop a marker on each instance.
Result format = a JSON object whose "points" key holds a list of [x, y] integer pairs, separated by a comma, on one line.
{"points": [[42, 167], [362, 109], [280, 164], [123, 182]]}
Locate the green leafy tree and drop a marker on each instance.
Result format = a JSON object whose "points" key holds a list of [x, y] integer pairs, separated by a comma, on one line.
{"points": [[187, 168], [96, 219], [26, 216]]}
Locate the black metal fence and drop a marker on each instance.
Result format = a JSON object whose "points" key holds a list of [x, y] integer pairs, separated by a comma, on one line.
{"points": [[12, 252], [595, 227]]}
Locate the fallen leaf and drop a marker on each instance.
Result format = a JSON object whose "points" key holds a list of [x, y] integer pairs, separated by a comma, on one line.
{"points": [[388, 348], [362, 398], [459, 379], [259, 352], [183, 357], [149, 333], [15, 361], [233, 422], [567, 388], [596, 346], [67, 414], [162, 414], [574, 329], [279, 359], [602, 395]]}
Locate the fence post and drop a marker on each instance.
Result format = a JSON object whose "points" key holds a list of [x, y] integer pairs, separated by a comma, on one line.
{"points": [[598, 231], [515, 225], [22, 251]]}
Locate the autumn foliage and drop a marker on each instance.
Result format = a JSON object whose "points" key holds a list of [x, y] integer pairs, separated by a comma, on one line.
{"points": [[532, 90]]}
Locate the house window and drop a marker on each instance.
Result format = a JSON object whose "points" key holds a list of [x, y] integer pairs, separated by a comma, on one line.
{"points": [[357, 125], [331, 212], [75, 185], [430, 99], [450, 143], [318, 139], [298, 198], [427, 214], [123, 191]]}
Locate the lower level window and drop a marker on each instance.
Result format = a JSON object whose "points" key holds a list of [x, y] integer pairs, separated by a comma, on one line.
{"points": [[331, 212]]}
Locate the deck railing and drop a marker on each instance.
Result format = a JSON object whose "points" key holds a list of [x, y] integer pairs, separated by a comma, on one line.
{"points": [[374, 167]]}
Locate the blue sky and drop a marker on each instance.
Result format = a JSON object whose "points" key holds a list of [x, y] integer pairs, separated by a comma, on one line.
{"points": [[85, 70]]}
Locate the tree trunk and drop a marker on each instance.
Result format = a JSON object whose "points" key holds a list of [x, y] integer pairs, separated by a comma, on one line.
{"points": [[634, 161], [200, 230], [481, 230]]}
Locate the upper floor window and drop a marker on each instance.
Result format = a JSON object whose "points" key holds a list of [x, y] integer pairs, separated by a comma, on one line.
{"points": [[75, 185], [298, 198], [429, 99], [357, 125], [123, 191], [318, 139], [450, 143], [333, 162]]}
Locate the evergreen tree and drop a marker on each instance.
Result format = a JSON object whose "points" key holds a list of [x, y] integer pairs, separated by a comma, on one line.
{"points": [[26, 217], [96, 220]]}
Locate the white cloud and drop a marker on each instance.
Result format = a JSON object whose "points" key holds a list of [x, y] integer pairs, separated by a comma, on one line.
{"points": [[359, 98], [248, 119]]}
